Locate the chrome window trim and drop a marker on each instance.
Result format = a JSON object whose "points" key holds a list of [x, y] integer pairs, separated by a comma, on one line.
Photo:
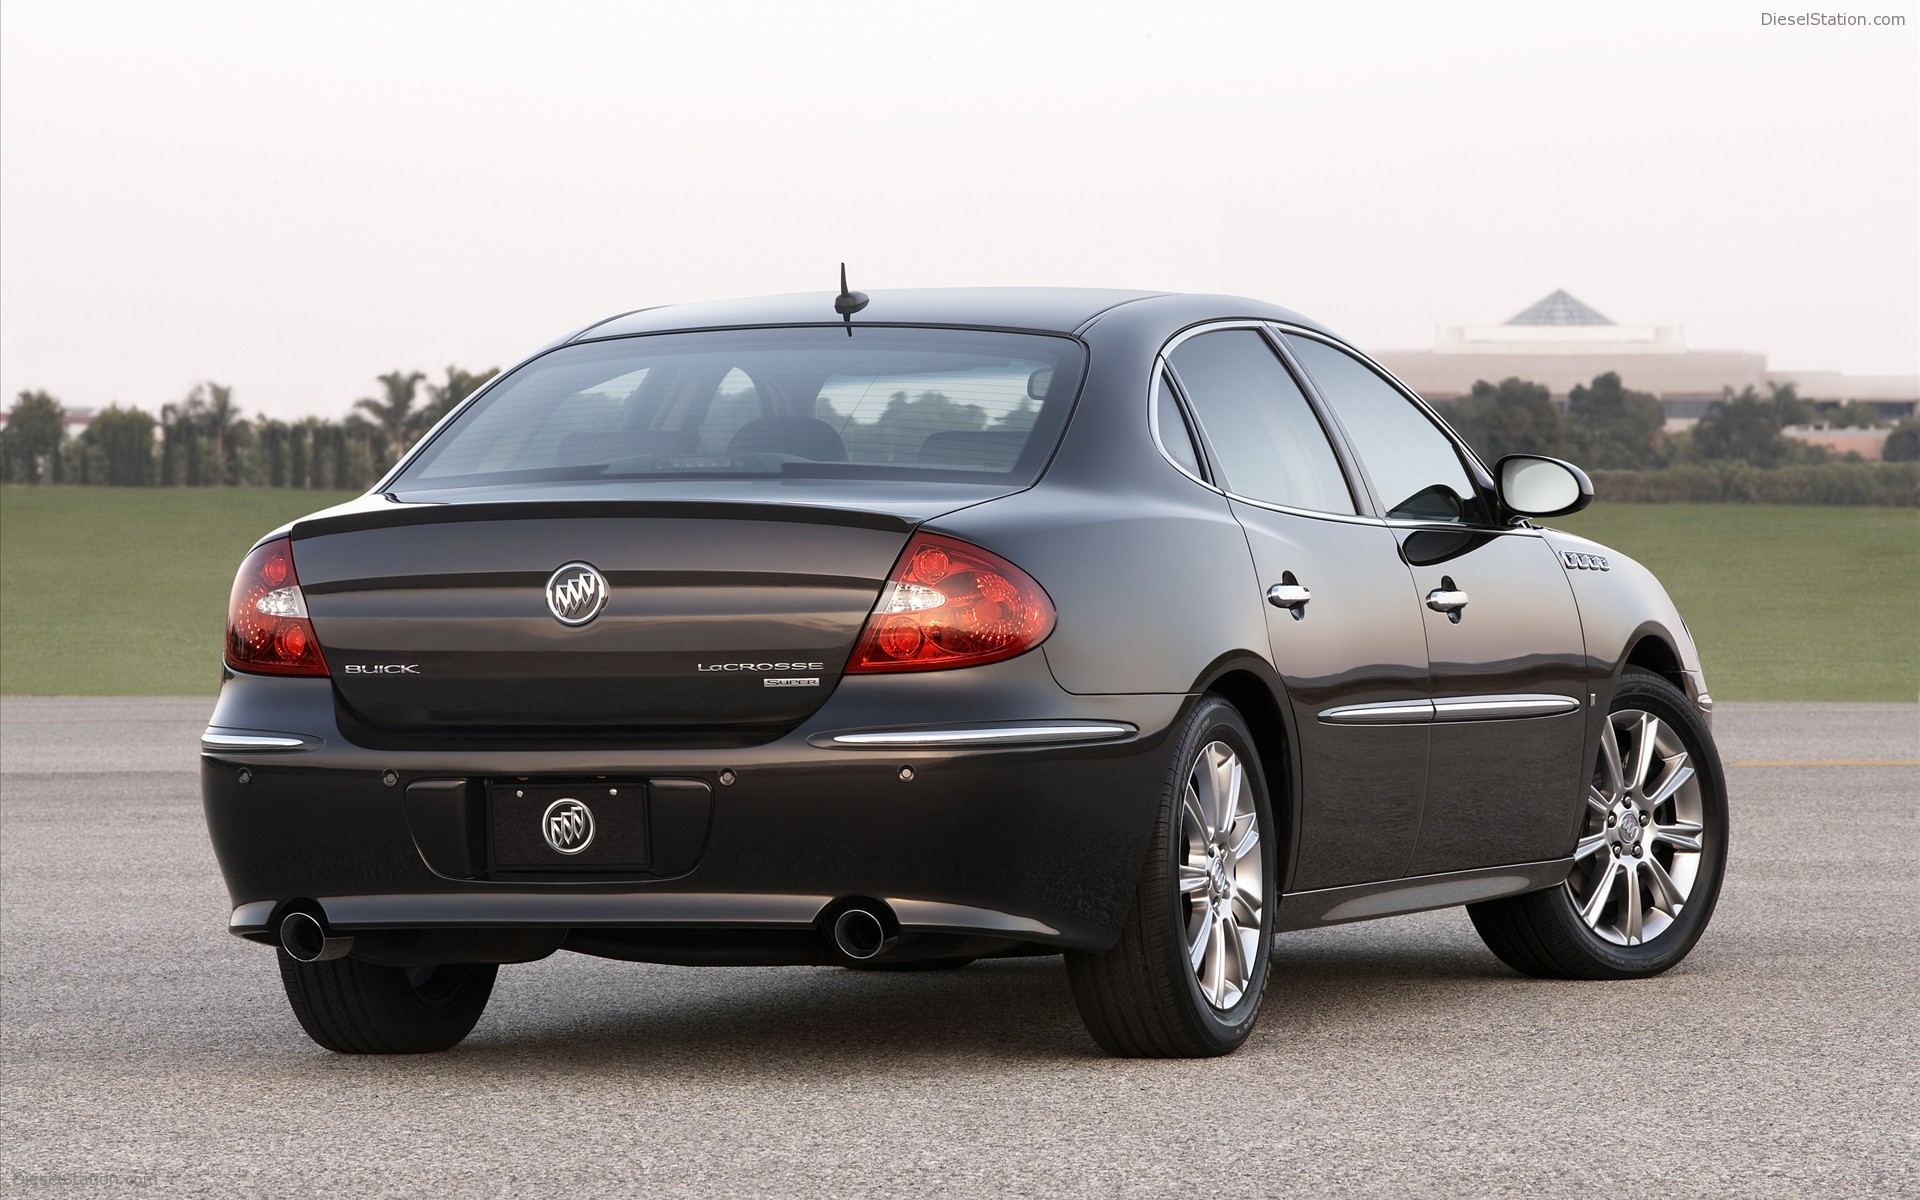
{"points": [[1012, 733], [1457, 526], [1316, 514], [1162, 365]]}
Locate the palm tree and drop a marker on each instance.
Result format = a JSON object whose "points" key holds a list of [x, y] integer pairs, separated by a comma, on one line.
{"points": [[445, 396], [221, 416], [180, 426], [394, 414]]}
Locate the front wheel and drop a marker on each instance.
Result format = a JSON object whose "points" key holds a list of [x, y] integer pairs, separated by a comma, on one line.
{"points": [[1186, 979], [354, 1007], [1650, 857]]}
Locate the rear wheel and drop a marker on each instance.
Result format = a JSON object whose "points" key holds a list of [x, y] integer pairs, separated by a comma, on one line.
{"points": [[353, 1007], [1651, 853], [1186, 979]]}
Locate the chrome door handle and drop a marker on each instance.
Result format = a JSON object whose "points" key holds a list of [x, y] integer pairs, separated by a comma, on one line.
{"points": [[1447, 599], [1290, 596]]}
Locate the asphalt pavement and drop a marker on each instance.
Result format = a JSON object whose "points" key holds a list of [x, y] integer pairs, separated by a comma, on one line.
{"points": [[143, 1051]]}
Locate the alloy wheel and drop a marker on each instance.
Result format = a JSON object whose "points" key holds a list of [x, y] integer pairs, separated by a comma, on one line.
{"points": [[1221, 878], [1639, 856]]}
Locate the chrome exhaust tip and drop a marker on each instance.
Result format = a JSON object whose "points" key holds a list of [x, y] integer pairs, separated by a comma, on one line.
{"points": [[306, 940], [860, 934]]}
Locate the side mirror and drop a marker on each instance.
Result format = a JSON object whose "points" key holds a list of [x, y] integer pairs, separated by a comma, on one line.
{"points": [[1535, 486]]}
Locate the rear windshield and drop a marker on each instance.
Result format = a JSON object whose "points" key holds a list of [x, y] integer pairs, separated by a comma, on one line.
{"points": [[886, 403]]}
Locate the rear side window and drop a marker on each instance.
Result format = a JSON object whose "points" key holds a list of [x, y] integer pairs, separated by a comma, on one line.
{"points": [[1263, 432], [885, 403], [1174, 434]]}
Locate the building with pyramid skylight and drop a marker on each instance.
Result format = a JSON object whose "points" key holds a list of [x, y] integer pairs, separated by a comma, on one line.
{"points": [[1561, 342]]}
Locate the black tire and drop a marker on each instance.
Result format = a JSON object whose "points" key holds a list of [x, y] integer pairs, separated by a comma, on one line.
{"points": [[1142, 998], [353, 1007], [1543, 933]]}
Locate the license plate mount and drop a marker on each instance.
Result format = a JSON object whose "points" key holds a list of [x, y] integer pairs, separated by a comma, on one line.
{"points": [[567, 825]]}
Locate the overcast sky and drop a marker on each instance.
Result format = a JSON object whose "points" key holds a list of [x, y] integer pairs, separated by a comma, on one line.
{"points": [[295, 198]]}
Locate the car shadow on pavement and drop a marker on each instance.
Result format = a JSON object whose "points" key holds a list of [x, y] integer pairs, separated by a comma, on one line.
{"points": [[588, 1017]]}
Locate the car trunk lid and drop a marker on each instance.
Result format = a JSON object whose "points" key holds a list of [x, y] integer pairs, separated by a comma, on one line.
{"points": [[721, 614]]}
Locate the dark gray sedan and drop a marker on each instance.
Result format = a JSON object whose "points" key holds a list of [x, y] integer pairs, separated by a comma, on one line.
{"points": [[1133, 627]]}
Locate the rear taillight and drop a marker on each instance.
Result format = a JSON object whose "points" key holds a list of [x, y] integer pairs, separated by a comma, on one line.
{"points": [[950, 604], [267, 626]]}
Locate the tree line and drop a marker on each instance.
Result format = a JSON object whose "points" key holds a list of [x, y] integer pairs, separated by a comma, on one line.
{"points": [[1607, 426], [204, 440]]}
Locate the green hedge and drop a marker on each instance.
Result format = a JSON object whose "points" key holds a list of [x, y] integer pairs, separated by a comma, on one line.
{"points": [[1892, 485]]}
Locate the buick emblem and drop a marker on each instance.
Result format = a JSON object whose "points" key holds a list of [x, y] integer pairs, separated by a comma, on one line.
{"points": [[576, 593], [567, 826]]}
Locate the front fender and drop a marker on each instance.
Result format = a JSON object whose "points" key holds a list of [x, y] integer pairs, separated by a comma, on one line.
{"points": [[1621, 607]]}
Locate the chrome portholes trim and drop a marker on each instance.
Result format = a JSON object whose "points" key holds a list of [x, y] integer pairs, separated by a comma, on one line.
{"points": [[1011, 734], [1391, 712], [220, 739], [1501, 708], [1221, 876], [1640, 849], [1574, 561]]}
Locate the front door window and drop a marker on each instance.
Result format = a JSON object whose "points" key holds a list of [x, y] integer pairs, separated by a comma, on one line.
{"points": [[1414, 466]]}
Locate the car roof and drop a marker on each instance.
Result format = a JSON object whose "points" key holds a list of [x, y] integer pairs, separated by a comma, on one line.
{"points": [[1063, 310]]}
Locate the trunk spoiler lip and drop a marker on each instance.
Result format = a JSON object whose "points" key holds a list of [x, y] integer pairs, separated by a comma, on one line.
{"points": [[390, 514]]}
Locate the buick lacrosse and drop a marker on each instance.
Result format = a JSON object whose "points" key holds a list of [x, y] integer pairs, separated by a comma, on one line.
{"points": [[899, 633]]}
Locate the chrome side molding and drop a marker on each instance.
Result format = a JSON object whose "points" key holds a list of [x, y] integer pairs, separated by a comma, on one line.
{"points": [[1393, 712], [1450, 708], [1012, 733], [1501, 708]]}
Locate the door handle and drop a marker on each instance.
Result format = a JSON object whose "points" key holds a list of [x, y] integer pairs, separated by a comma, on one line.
{"points": [[1290, 596], [1448, 599]]}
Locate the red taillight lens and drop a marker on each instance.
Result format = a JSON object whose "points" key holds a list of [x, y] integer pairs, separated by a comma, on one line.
{"points": [[949, 604], [267, 626]]}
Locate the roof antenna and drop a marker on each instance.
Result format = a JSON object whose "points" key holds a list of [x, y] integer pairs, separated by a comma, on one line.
{"points": [[848, 303]]}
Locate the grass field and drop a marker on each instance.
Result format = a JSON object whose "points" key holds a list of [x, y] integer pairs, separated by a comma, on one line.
{"points": [[1787, 602], [124, 590]]}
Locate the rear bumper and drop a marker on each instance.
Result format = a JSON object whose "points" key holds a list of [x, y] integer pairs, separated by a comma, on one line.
{"points": [[1034, 836]]}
